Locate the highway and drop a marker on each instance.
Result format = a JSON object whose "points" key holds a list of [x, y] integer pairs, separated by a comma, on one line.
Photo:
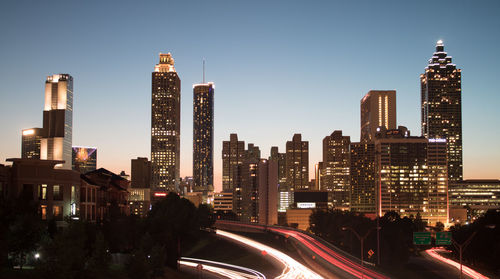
{"points": [[221, 270], [337, 259], [434, 253], [291, 268]]}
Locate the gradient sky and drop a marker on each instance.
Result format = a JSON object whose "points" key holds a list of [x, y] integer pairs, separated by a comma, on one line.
{"points": [[279, 67]]}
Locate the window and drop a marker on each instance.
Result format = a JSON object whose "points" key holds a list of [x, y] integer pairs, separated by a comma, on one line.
{"points": [[57, 212], [42, 192], [58, 193], [43, 212]]}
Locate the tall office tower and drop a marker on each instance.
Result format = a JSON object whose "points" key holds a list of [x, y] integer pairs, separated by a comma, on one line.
{"points": [[268, 192], [203, 134], [410, 171], [441, 94], [378, 109], [283, 194], [252, 151], [297, 164], [362, 177], [280, 159], [249, 191], [84, 159], [140, 169], [335, 168], [165, 126], [437, 167], [31, 141], [58, 120], [233, 154]]}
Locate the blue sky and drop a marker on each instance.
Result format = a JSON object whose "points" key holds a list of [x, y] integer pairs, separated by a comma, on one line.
{"points": [[280, 67]]}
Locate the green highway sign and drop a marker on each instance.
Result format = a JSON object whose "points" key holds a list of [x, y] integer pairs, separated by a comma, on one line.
{"points": [[421, 238], [443, 238]]}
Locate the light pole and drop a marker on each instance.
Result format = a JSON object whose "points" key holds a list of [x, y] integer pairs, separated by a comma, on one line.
{"points": [[461, 248], [361, 238]]}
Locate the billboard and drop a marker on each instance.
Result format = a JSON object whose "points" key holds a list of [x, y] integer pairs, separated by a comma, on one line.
{"points": [[84, 158]]}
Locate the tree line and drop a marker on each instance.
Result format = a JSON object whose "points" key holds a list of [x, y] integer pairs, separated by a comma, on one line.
{"points": [[85, 250]]}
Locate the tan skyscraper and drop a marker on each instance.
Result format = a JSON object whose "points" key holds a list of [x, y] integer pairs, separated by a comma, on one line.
{"points": [[165, 126], [297, 164], [378, 109], [58, 120]]}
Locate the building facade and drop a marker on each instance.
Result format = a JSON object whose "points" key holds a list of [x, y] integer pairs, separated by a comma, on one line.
{"points": [[441, 100], [335, 169], [268, 192], [140, 169], [283, 194], [31, 140], [55, 190], [203, 134], [362, 177], [297, 164], [165, 126], [411, 176], [233, 154], [57, 140], [475, 195], [84, 159], [378, 109]]}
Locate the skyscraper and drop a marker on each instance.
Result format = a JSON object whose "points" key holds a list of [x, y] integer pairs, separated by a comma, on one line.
{"points": [[203, 133], [58, 120], [297, 164], [140, 169], [233, 154], [411, 175], [165, 126], [441, 98], [84, 159], [31, 141], [378, 109], [280, 159], [362, 177], [335, 169], [268, 192]]}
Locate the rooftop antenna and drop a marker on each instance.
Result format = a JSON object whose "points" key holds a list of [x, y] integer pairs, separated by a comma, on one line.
{"points": [[203, 70]]}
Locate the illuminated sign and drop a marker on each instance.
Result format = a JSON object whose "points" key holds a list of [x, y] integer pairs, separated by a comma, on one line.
{"points": [[437, 140], [160, 194], [306, 205], [82, 154]]}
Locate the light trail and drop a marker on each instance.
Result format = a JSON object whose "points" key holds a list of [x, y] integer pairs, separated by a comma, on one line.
{"points": [[292, 269], [433, 252], [217, 270], [315, 246], [246, 272]]}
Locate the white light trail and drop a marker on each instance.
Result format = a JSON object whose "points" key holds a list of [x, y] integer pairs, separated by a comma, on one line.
{"points": [[255, 274], [467, 270], [292, 269]]}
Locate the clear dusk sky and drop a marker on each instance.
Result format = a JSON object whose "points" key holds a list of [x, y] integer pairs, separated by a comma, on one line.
{"points": [[279, 67]]}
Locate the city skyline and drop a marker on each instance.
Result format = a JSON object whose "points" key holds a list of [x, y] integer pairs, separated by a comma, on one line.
{"points": [[331, 101]]}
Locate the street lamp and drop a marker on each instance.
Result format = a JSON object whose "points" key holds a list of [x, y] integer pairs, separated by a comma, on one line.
{"points": [[461, 246], [361, 238]]}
